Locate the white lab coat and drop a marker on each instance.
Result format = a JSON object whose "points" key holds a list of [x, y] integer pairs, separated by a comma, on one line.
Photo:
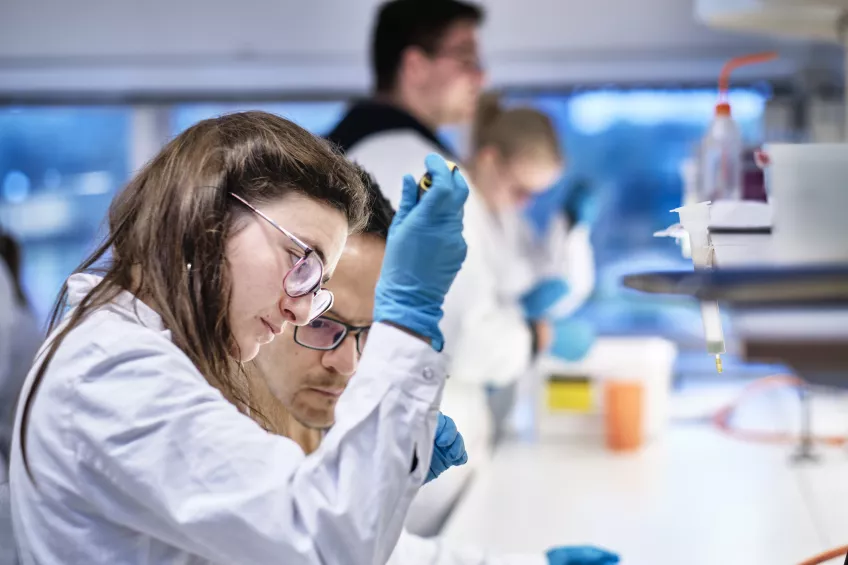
{"points": [[502, 263], [388, 156], [138, 460], [563, 251]]}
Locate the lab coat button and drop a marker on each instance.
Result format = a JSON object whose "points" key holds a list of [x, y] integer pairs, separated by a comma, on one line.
{"points": [[428, 373]]}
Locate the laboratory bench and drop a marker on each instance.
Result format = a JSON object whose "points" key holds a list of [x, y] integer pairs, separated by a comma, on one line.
{"points": [[693, 496]]}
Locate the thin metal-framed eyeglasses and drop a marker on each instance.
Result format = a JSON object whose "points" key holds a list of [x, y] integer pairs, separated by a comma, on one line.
{"points": [[306, 275]]}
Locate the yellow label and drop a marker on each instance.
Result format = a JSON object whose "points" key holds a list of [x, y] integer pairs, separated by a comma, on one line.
{"points": [[570, 396]]}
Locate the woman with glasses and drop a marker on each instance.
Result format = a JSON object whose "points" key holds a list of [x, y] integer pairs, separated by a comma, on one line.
{"points": [[136, 441]]}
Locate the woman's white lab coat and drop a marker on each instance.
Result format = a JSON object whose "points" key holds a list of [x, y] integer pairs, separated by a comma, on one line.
{"points": [[138, 460]]}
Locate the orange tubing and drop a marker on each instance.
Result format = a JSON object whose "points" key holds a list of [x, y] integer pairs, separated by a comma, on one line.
{"points": [[721, 419], [826, 556], [736, 62]]}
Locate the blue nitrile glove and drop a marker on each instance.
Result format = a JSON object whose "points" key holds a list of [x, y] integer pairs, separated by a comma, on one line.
{"points": [[582, 555], [542, 297], [583, 204], [424, 251], [573, 337], [448, 448]]}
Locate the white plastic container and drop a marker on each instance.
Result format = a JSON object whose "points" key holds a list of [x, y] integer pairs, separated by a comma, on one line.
{"points": [[739, 233], [648, 360], [695, 219], [809, 196]]}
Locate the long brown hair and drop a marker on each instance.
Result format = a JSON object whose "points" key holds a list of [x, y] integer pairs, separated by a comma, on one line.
{"points": [[176, 212]]}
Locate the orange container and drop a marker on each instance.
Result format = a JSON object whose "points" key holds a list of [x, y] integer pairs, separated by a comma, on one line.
{"points": [[624, 403]]}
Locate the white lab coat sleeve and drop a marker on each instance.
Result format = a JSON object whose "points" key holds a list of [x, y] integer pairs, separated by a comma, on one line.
{"points": [[390, 156], [565, 253], [486, 335], [181, 464], [415, 550]]}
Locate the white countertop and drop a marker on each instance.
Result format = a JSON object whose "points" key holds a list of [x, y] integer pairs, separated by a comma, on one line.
{"points": [[696, 497]]}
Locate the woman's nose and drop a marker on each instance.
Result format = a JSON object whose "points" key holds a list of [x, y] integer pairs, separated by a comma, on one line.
{"points": [[296, 310]]}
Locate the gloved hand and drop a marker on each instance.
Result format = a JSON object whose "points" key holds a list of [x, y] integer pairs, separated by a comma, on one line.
{"points": [[573, 338], [540, 299], [424, 251], [448, 448], [583, 205], [582, 555]]}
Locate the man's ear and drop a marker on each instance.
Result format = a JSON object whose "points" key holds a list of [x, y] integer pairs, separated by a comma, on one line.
{"points": [[415, 65]]}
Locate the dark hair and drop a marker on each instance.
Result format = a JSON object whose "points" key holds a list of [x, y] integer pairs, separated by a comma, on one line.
{"points": [[380, 211], [10, 252], [177, 211], [412, 23]]}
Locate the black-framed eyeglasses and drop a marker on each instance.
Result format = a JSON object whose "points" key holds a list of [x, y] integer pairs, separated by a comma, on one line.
{"points": [[325, 334], [469, 61], [306, 275]]}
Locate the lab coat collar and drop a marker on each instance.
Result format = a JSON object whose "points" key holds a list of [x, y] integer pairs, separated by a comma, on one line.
{"points": [[370, 117], [126, 304]]}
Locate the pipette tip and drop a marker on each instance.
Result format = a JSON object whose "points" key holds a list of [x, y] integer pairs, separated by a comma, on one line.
{"points": [[719, 368]]}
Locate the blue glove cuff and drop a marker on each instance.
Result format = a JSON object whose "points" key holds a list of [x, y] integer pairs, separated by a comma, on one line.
{"points": [[417, 321]]}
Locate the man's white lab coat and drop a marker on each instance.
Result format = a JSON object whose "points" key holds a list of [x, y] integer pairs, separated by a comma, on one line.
{"points": [[138, 460], [390, 143], [487, 338]]}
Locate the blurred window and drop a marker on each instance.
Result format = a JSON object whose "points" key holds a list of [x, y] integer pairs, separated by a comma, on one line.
{"points": [[59, 169]]}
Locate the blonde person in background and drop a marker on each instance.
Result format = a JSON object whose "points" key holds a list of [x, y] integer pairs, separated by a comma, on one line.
{"points": [[298, 380], [497, 313]]}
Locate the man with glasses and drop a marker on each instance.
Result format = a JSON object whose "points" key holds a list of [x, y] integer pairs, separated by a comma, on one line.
{"points": [[426, 63], [297, 379]]}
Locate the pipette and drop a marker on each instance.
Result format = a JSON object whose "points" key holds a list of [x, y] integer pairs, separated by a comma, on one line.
{"points": [[427, 180], [695, 219], [712, 331]]}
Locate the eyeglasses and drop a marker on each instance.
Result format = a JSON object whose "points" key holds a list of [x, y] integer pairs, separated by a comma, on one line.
{"points": [[326, 334], [306, 274], [465, 58]]}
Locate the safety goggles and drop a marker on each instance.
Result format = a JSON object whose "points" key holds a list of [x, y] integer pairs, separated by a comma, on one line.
{"points": [[326, 334], [306, 274]]}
